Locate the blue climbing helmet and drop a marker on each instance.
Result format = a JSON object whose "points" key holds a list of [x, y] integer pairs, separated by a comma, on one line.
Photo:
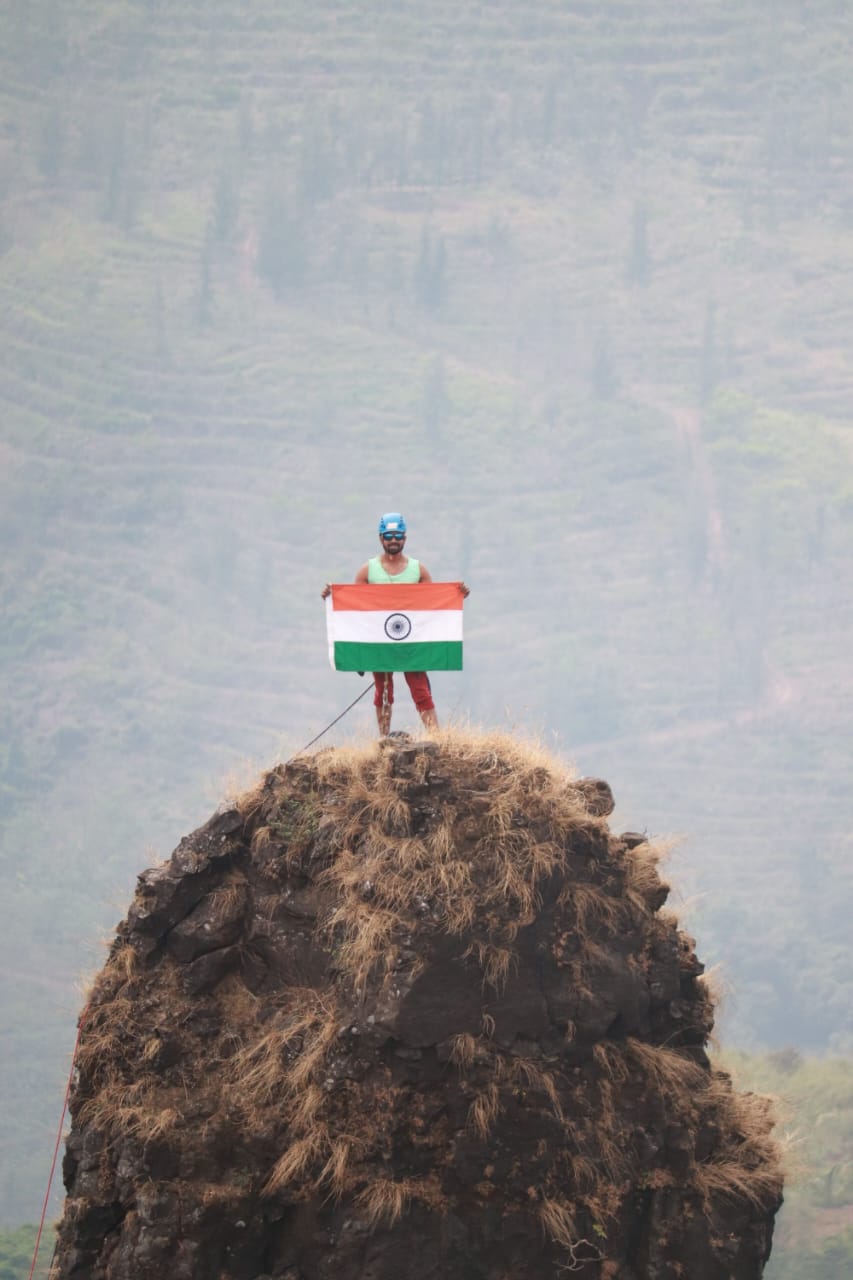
{"points": [[392, 522]]}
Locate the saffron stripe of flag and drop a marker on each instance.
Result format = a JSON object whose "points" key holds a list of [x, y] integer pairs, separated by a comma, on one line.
{"points": [[410, 627], [369, 597]]}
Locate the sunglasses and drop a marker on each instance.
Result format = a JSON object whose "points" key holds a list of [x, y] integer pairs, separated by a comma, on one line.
{"points": [[393, 537]]}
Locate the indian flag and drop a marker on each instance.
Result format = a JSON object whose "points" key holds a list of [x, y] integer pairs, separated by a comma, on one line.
{"points": [[413, 626]]}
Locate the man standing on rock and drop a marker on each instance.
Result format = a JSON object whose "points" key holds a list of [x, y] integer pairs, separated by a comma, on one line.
{"points": [[393, 566]]}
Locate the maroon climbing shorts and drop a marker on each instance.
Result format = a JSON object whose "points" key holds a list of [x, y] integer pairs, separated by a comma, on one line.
{"points": [[418, 682]]}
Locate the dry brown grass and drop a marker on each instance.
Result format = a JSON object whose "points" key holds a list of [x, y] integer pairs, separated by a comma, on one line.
{"points": [[594, 910], [97, 1054], [473, 869], [248, 803], [643, 881], [495, 754], [365, 934], [282, 1074], [144, 1110], [713, 981], [151, 1049], [125, 962], [239, 1010], [585, 1174], [496, 962], [716, 990], [673, 1074], [611, 1060], [384, 1201], [607, 1147], [299, 1158], [484, 1111], [558, 1219], [228, 897], [463, 1051], [733, 1180], [334, 1173], [749, 1163], [307, 1108], [262, 840], [479, 869], [525, 1074], [159, 1124], [286, 1059], [110, 1041], [317, 1158]]}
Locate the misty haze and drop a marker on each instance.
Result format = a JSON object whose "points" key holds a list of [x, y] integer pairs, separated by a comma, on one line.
{"points": [[568, 284]]}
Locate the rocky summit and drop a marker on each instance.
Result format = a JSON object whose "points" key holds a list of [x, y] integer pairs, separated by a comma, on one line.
{"points": [[410, 1012]]}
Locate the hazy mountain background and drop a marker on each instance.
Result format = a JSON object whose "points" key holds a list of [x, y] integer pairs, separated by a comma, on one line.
{"points": [[571, 284]]}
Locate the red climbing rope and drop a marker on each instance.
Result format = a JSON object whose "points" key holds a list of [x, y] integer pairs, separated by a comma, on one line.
{"points": [[58, 1142]]}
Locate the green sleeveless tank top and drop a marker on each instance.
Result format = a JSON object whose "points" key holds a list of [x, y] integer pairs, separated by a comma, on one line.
{"points": [[376, 574]]}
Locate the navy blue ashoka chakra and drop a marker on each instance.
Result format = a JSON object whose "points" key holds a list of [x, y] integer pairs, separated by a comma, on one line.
{"points": [[397, 626]]}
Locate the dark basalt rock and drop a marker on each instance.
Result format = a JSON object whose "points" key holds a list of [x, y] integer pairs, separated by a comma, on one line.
{"points": [[408, 1014]]}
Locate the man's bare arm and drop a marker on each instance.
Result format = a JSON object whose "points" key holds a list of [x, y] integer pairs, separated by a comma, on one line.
{"points": [[426, 576], [361, 576]]}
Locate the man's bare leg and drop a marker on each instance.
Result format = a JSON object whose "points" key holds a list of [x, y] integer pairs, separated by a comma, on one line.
{"points": [[430, 719]]}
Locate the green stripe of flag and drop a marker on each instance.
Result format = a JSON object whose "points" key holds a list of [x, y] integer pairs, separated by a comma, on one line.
{"points": [[437, 655]]}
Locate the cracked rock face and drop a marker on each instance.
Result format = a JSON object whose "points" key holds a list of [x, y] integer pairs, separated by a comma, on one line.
{"points": [[408, 1013]]}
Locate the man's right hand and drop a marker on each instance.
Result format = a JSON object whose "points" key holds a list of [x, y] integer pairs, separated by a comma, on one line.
{"points": [[327, 591]]}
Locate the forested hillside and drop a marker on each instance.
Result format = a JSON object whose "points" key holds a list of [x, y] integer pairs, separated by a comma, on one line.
{"points": [[570, 285]]}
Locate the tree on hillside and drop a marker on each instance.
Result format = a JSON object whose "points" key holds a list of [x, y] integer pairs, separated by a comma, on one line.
{"points": [[500, 242], [603, 374], [640, 91], [282, 244], [475, 143], [637, 267], [245, 130], [435, 401], [226, 206], [549, 111], [114, 188], [204, 289], [434, 144], [90, 158], [50, 143], [161, 345], [316, 162], [431, 273], [708, 356], [695, 543]]}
